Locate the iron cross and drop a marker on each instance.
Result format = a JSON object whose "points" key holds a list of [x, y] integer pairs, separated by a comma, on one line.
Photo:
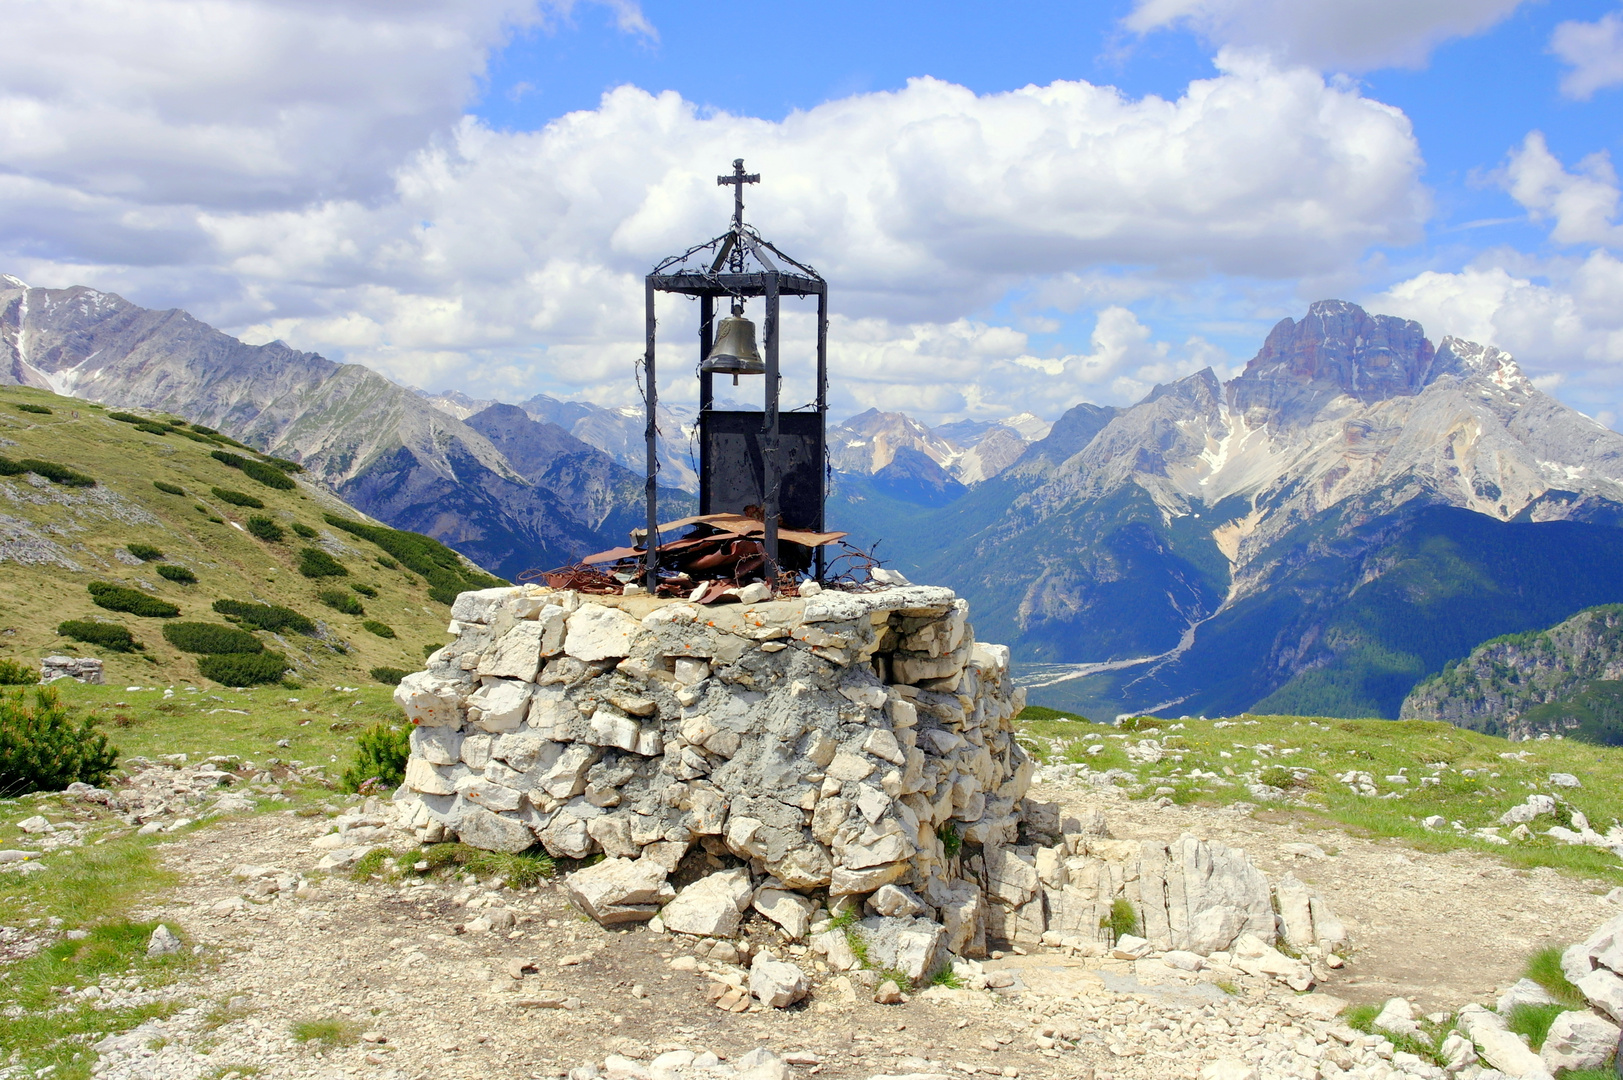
{"points": [[738, 179]]}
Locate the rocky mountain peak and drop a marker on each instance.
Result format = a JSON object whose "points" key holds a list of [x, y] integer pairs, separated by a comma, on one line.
{"points": [[1337, 348], [1467, 359]]}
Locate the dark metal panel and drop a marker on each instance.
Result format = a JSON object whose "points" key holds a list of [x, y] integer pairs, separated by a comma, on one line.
{"points": [[735, 459], [650, 432]]}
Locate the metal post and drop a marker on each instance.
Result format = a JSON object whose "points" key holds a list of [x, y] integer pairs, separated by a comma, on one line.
{"points": [[770, 479], [822, 414], [651, 433], [707, 396]]}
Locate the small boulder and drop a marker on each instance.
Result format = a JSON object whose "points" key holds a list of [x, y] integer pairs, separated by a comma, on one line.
{"points": [[789, 910], [163, 942], [888, 993], [776, 983], [620, 890], [711, 906], [1396, 1017], [1523, 992], [1579, 1040]]}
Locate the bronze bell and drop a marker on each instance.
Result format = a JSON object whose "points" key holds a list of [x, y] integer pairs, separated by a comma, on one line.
{"points": [[734, 352]]}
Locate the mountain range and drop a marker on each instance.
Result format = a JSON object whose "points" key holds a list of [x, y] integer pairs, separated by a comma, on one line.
{"points": [[1354, 510]]}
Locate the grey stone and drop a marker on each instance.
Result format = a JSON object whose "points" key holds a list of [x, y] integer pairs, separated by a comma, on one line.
{"points": [[1499, 1047], [1604, 990], [711, 906], [1523, 992], [789, 910], [481, 828], [600, 633], [1579, 1040], [620, 890], [163, 942], [776, 983], [915, 947]]}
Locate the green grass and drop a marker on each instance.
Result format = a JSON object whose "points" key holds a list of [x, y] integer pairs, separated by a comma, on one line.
{"points": [[1123, 918], [329, 1032], [147, 488], [1304, 756], [1544, 968], [520, 870], [1534, 1022]]}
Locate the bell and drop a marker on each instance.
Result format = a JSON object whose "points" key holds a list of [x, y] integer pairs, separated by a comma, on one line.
{"points": [[734, 352]]}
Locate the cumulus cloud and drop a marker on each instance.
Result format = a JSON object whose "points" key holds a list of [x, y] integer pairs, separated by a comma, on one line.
{"points": [[1594, 52], [922, 206], [1562, 319], [1580, 204], [302, 171], [231, 103], [1338, 35]]}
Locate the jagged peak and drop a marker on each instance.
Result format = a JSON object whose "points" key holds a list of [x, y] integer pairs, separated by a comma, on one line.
{"points": [[9, 281], [1468, 358], [1202, 384]]}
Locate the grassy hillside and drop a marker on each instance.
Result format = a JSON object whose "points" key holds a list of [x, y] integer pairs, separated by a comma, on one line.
{"points": [[1466, 777], [59, 538]]}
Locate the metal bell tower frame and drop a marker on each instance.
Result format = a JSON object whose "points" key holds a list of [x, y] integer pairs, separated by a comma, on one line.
{"points": [[736, 265]]}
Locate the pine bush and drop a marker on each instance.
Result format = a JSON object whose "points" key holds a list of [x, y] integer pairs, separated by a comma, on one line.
{"points": [[56, 474], [364, 590], [265, 616], [315, 563], [339, 600], [284, 464], [42, 748], [243, 669], [107, 635], [389, 676], [202, 637], [304, 530], [237, 498], [266, 529], [381, 753], [128, 418], [14, 674], [145, 552], [167, 488], [26, 407], [444, 569], [202, 430], [269, 475], [10, 468], [178, 574], [123, 598], [383, 630]]}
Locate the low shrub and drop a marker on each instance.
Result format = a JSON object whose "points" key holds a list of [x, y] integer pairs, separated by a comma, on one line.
{"points": [[389, 676], [387, 563], [152, 428], [145, 552], [284, 464], [202, 637], [315, 563], [168, 488], [365, 590], [304, 530], [202, 430], [43, 748], [342, 601], [430, 649], [10, 468], [381, 752], [123, 598], [57, 474], [26, 407], [107, 635], [383, 630], [128, 418], [178, 574], [243, 669], [237, 498], [265, 616], [14, 674], [266, 529], [268, 475]]}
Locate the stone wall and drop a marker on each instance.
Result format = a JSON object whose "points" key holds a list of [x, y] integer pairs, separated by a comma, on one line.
{"points": [[822, 747]]}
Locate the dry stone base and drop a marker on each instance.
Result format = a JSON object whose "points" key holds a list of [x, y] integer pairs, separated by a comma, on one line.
{"points": [[808, 749]]}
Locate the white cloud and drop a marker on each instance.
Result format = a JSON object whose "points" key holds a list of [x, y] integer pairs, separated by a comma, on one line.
{"points": [[236, 103], [1331, 35], [1562, 321], [1581, 204], [300, 170], [1594, 52]]}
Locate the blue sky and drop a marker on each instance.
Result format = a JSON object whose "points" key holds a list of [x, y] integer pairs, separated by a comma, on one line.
{"points": [[465, 194]]}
